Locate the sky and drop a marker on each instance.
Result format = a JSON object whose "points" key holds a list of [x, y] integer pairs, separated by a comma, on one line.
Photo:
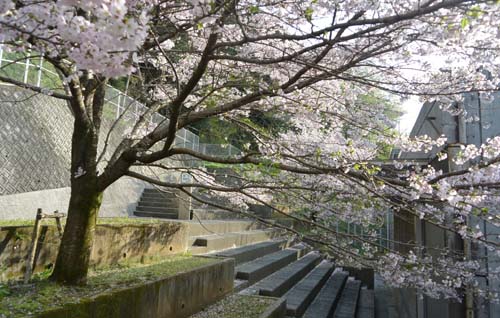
{"points": [[411, 108]]}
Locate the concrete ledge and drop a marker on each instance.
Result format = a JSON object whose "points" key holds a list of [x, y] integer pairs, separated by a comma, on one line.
{"points": [[176, 296], [250, 252], [276, 310]]}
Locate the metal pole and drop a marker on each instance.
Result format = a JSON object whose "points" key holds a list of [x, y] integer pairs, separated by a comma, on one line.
{"points": [[1, 54], [39, 79], [26, 70]]}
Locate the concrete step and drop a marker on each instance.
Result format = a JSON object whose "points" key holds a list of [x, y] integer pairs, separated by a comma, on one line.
{"points": [[159, 204], [158, 195], [302, 294], [259, 268], [325, 302], [346, 307], [217, 242], [154, 190], [156, 210], [156, 215], [277, 284], [366, 304], [217, 215], [250, 252]]}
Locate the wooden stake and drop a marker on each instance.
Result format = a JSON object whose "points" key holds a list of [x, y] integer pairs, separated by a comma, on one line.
{"points": [[32, 250]]}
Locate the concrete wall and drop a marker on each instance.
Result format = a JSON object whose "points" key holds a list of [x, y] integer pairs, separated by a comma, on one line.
{"points": [[120, 200], [174, 297], [112, 244]]}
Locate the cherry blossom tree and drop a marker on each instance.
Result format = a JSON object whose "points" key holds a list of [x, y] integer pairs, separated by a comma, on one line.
{"points": [[312, 63]]}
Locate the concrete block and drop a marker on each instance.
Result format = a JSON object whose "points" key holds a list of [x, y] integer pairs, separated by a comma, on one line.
{"points": [[366, 304], [250, 252], [325, 302], [257, 269], [277, 284], [302, 294], [348, 302]]}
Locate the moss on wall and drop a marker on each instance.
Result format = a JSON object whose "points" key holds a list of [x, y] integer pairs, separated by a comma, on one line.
{"points": [[113, 244], [177, 287]]}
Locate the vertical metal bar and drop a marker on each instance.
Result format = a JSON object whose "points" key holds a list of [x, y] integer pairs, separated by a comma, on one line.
{"points": [[117, 105], [26, 70], [387, 228], [40, 66]]}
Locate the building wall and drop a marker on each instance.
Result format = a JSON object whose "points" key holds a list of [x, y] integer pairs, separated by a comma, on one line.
{"points": [[480, 121]]}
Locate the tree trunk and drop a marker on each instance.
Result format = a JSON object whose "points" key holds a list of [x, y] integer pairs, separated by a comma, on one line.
{"points": [[74, 252], [76, 246]]}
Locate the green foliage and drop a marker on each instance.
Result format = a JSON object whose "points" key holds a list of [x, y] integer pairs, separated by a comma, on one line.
{"points": [[309, 14], [253, 9], [4, 291], [240, 135]]}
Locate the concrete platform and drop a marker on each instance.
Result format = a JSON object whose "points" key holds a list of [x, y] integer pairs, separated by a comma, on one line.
{"points": [[159, 204], [156, 215], [277, 284], [248, 253], [325, 302], [155, 209], [217, 242], [302, 294], [255, 270], [208, 227], [346, 308]]}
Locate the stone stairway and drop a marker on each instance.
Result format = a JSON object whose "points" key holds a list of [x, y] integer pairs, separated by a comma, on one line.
{"points": [[300, 282], [158, 204]]}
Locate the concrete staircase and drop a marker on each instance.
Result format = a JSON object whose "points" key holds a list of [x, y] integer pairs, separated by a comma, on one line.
{"points": [[162, 204], [304, 284], [158, 204]]}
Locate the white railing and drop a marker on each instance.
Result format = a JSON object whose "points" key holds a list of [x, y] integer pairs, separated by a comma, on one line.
{"points": [[118, 102]]}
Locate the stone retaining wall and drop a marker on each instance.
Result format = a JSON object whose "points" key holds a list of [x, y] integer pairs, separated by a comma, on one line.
{"points": [[113, 244], [177, 296]]}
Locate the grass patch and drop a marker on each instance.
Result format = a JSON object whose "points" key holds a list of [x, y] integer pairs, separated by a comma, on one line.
{"points": [[237, 306], [42, 295], [118, 220]]}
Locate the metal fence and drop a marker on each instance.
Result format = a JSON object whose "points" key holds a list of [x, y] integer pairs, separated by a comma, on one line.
{"points": [[219, 150], [32, 69]]}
